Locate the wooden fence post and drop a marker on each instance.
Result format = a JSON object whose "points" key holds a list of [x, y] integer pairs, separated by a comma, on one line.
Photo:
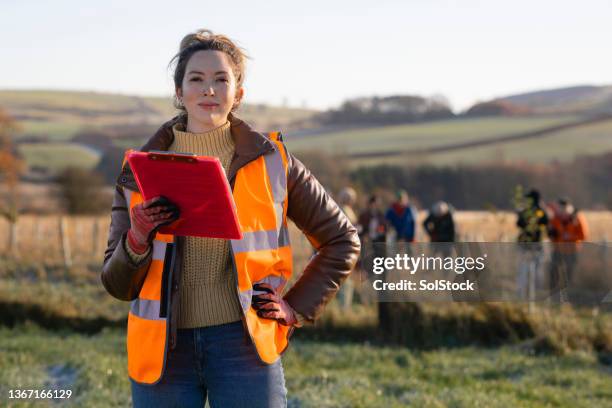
{"points": [[37, 229], [94, 237], [65, 241], [13, 239]]}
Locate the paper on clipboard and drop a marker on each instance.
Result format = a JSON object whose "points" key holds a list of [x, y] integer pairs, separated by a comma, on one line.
{"points": [[196, 184]]}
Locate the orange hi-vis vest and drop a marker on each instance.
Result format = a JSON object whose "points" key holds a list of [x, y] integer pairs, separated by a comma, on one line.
{"points": [[568, 233], [262, 255], [570, 230]]}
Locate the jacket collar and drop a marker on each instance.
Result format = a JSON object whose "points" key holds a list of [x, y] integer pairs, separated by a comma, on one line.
{"points": [[249, 146]]}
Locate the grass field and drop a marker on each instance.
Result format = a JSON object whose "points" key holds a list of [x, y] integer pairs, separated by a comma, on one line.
{"points": [[57, 131], [56, 156], [341, 362], [421, 135], [58, 114], [60, 100], [322, 374], [560, 145]]}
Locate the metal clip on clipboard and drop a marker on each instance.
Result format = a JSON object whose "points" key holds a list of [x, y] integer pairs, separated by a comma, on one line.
{"points": [[164, 155]]}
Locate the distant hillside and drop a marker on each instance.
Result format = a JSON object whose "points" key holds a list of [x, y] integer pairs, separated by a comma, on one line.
{"points": [[538, 127], [60, 114], [61, 128], [575, 99], [93, 107], [491, 139], [498, 108]]}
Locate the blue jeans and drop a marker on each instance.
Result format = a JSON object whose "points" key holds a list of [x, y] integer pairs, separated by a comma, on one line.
{"points": [[217, 362]]}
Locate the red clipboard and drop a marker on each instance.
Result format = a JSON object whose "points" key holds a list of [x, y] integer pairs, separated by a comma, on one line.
{"points": [[196, 184]]}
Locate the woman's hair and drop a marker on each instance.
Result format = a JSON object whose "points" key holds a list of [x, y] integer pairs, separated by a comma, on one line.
{"points": [[206, 40]]}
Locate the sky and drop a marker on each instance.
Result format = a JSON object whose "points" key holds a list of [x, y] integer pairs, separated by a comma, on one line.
{"points": [[316, 53]]}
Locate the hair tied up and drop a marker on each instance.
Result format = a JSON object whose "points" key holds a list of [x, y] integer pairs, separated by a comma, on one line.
{"points": [[202, 40], [195, 38]]}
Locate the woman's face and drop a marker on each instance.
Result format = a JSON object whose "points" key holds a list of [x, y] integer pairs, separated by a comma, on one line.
{"points": [[208, 91]]}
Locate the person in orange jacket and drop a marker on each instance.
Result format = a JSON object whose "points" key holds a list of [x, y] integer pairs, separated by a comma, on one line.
{"points": [[566, 230]]}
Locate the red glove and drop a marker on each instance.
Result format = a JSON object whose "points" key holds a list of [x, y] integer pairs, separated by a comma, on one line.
{"points": [[271, 305], [147, 217]]}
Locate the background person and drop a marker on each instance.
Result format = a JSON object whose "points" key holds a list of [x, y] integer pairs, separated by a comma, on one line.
{"points": [[566, 229], [440, 226], [532, 221], [373, 223], [402, 216]]}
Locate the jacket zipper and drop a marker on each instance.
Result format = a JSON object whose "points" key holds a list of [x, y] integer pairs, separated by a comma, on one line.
{"points": [[170, 297], [167, 279]]}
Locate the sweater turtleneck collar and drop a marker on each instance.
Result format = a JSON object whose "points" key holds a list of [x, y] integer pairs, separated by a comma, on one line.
{"points": [[215, 142]]}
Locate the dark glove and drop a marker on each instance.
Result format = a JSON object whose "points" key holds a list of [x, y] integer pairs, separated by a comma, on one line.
{"points": [[147, 217], [270, 305]]}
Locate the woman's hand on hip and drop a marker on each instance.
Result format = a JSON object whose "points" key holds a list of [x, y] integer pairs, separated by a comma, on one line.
{"points": [[271, 305]]}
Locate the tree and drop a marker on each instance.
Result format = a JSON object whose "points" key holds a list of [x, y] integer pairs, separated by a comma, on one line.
{"points": [[329, 169], [82, 191], [109, 165]]}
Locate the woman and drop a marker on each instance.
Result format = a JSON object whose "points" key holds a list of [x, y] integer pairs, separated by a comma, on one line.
{"points": [[208, 318]]}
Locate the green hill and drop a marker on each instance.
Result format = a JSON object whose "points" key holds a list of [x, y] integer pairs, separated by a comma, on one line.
{"points": [[61, 114], [56, 156], [592, 99], [541, 138], [58, 116]]}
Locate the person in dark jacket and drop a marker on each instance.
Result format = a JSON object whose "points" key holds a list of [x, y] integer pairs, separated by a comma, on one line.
{"points": [[372, 222], [439, 224], [532, 221], [440, 227], [373, 229]]}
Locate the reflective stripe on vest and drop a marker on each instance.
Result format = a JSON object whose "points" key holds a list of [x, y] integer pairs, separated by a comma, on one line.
{"points": [[262, 255], [148, 331]]}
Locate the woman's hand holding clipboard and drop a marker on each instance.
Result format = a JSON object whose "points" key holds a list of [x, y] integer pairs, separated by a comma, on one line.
{"points": [[147, 217], [196, 185]]}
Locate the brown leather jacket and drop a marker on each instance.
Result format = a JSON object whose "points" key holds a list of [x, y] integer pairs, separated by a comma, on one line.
{"points": [[309, 206]]}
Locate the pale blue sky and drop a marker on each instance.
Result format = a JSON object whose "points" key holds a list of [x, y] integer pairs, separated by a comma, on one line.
{"points": [[318, 52]]}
